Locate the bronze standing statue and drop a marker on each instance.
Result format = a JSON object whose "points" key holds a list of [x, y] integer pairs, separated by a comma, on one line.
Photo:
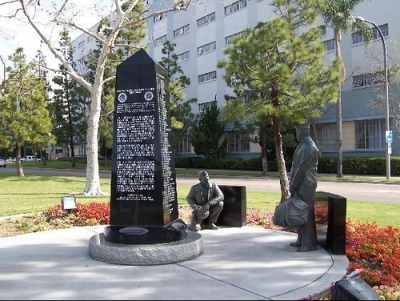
{"points": [[206, 200], [303, 182]]}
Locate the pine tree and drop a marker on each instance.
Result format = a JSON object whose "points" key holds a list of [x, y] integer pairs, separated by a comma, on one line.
{"points": [[277, 68], [24, 116], [180, 110], [207, 134], [69, 105]]}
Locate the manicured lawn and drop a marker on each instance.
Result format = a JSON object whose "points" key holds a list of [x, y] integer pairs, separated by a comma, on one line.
{"points": [[244, 173]]}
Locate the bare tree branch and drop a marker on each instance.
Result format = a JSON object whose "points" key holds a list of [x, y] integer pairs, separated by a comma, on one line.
{"points": [[61, 9], [53, 50], [9, 2]]}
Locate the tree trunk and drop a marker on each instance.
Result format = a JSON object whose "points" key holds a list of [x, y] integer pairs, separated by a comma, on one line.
{"points": [[43, 157], [264, 159], [92, 186], [276, 127], [339, 130], [283, 178], [20, 171], [70, 125]]}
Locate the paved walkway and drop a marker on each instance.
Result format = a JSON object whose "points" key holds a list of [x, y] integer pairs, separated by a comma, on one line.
{"points": [[237, 263]]}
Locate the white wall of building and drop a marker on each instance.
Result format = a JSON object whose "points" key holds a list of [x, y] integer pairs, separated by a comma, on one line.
{"points": [[358, 59]]}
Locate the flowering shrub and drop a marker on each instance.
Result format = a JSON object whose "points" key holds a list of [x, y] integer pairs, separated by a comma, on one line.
{"points": [[264, 218], [321, 212], [84, 215], [100, 212], [374, 249], [259, 218], [388, 292]]}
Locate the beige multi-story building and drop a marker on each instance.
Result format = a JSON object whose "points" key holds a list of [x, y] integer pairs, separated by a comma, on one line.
{"points": [[207, 27]]}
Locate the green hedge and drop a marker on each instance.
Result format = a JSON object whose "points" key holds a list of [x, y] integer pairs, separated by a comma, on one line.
{"points": [[351, 165], [374, 166], [228, 164]]}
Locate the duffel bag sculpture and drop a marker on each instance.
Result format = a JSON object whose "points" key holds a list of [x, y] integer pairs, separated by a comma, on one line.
{"points": [[291, 213]]}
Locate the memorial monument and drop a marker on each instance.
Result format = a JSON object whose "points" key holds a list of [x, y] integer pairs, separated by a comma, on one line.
{"points": [[143, 205]]}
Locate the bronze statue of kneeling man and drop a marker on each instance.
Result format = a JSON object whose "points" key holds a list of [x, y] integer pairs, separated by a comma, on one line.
{"points": [[206, 200]]}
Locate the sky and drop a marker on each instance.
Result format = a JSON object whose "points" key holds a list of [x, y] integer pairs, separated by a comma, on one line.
{"points": [[17, 33]]}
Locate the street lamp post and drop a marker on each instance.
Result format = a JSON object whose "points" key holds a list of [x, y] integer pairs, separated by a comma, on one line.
{"points": [[388, 132]]}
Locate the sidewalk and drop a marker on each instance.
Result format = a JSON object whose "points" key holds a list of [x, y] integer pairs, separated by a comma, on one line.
{"points": [[237, 263]]}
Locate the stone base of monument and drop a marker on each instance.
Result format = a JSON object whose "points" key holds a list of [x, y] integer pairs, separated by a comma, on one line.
{"points": [[146, 235], [145, 254]]}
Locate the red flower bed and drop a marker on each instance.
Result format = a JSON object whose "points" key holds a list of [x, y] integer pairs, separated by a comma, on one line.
{"points": [[98, 211], [84, 214], [374, 249], [321, 213]]}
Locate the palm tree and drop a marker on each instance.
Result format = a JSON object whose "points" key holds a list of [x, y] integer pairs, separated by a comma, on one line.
{"points": [[338, 15]]}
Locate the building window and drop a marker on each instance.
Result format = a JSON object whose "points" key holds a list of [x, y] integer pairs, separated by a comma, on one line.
{"points": [[206, 105], [183, 146], [357, 37], [326, 137], [181, 31], [160, 41], [385, 31], [238, 143], [207, 77], [82, 65], [81, 45], [329, 45], [206, 48], [235, 6], [183, 56], [229, 39], [206, 20], [245, 99], [368, 79], [370, 134], [160, 17]]}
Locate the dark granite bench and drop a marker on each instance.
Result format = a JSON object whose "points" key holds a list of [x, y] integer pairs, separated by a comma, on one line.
{"points": [[234, 212], [330, 215]]}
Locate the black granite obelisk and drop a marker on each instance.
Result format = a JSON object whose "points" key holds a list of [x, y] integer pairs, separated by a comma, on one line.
{"points": [[144, 207]]}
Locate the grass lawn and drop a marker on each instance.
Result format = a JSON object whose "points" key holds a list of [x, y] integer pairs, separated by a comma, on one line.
{"points": [[32, 193], [212, 172]]}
